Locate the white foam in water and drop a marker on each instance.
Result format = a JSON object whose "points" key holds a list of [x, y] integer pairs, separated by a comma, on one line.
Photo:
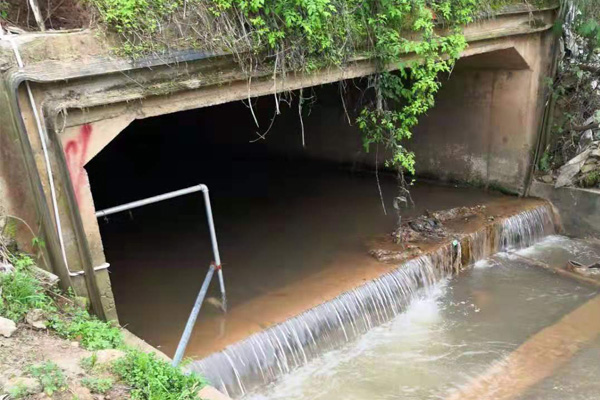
{"points": [[265, 357], [414, 326], [526, 228], [485, 263]]}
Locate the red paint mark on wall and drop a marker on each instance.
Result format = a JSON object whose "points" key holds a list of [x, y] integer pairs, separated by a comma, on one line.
{"points": [[75, 151]]}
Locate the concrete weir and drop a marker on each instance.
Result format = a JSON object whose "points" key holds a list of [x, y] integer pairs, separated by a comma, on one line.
{"points": [[474, 234], [71, 97]]}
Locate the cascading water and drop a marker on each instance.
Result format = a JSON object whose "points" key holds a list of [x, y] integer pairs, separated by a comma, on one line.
{"points": [[526, 228], [265, 356]]}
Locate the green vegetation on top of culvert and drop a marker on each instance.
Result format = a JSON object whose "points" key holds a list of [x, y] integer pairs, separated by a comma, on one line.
{"points": [[143, 376]]}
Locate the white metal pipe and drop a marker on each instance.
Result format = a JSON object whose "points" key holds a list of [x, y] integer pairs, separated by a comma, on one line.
{"points": [[42, 136], [98, 268], [215, 246], [156, 199], [189, 326]]}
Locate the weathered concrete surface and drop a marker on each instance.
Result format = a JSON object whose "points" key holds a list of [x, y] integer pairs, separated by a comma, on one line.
{"points": [[86, 97], [486, 117], [579, 208], [537, 358]]}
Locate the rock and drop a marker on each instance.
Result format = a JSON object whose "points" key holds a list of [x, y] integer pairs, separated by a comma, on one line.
{"points": [[595, 153], [588, 168], [23, 386], [6, 268], [81, 302], [75, 344], [47, 279], [568, 171], [547, 178], [591, 119], [81, 392], [36, 319], [108, 356], [587, 137], [7, 327]]}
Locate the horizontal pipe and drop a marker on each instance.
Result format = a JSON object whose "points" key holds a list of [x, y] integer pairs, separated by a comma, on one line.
{"points": [[96, 269], [154, 199]]}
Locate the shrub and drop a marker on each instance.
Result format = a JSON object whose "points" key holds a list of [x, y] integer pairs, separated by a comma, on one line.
{"points": [[50, 376], [91, 332], [21, 291], [97, 385], [154, 379]]}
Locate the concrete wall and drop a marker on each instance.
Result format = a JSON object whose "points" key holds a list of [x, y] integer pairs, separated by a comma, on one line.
{"points": [[481, 130], [579, 208], [486, 118]]}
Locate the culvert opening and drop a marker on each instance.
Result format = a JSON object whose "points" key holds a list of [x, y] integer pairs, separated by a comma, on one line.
{"points": [[292, 221]]}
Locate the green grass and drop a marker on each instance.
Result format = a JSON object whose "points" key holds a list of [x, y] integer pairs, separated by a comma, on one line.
{"points": [[89, 363], [148, 377], [154, 379], [50, 376], [18, 392], [21, 291], [98, 385], [92, 333], [591, 180]]}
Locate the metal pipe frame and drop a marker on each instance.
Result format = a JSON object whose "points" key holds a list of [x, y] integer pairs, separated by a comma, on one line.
{"points": [[216, 265]]}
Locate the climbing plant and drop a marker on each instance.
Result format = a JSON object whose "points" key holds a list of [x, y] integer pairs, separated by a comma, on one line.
{"points": [[302, 35]]}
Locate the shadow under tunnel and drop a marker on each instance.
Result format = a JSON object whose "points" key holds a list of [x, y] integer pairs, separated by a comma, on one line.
{"points": [[282, 212]]}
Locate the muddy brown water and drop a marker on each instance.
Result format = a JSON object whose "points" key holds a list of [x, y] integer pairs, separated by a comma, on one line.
{"points": [[279, 223]]}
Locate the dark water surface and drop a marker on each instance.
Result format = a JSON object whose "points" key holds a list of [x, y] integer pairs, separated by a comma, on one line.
{"points": [[277, 221]]}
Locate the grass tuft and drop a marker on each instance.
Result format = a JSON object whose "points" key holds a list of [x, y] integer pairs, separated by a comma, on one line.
{"points": [[21, 291], [50, 376], [154, 379]]}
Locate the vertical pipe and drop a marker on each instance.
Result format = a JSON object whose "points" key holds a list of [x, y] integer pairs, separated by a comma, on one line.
{"points": [[189, 326], [37, 13], [215, 246]]}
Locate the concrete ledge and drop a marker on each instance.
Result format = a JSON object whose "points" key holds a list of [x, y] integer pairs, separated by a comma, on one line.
{"points": [[579, 208]]}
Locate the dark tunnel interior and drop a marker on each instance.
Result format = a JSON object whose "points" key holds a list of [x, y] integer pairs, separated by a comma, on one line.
{"points": [[282, 212]]}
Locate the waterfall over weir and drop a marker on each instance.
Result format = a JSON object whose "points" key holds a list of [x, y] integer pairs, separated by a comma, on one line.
{"points": [[265, 356]]}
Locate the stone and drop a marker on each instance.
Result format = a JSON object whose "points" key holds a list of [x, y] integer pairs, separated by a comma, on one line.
{"points": [[81, 302], [587, 137], [108, 356], [23, 386], [81, 392], [6, 268], [36, 319], [7, 327], [588, 168], [547, 178], [568, 171]]}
